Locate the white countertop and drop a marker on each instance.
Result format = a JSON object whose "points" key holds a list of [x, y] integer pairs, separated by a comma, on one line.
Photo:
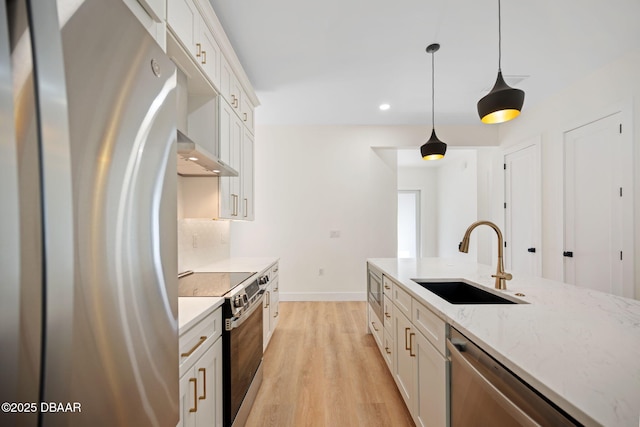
{"points": [[580, 348], [193, 309], [238, 264]]}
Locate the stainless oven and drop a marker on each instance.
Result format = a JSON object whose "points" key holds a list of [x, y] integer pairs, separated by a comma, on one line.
{"points": [[374, 291], [485, 393], [242, 352]]}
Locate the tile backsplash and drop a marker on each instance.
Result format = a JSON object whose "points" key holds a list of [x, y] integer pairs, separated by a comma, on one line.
{"points": [[201, 242]]}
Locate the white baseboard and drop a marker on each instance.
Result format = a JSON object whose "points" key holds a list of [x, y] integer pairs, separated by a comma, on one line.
{"points": [[323, 296]]}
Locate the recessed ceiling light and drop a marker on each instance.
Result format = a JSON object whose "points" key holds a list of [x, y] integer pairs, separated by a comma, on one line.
{"points": [[384, 107]]}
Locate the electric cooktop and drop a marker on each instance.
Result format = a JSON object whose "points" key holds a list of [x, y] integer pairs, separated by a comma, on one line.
{"points": [[206, 284]]}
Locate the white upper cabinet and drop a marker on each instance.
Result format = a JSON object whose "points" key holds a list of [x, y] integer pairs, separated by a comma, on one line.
{"points": [[246, 180], [198, 45], [210, 57], [184, 19]]}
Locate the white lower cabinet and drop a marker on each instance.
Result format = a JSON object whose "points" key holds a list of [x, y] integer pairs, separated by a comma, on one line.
{"points": [[201, 373], [201, 390], [418, 365], [270, 306], [403, 372], [430, 370]]}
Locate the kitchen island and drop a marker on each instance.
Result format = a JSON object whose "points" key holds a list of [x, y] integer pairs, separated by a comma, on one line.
{"points": [[579, 348]]}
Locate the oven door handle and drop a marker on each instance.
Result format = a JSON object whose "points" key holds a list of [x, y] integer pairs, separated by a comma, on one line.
{"points": [[234, 322], [516, 412]]}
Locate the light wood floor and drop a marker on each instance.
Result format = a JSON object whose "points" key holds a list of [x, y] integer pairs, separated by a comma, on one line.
{"points": [[322, 369]]}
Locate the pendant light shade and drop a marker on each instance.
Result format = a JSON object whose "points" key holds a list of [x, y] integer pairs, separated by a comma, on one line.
{"points": [[502, 103], [433, 149]]}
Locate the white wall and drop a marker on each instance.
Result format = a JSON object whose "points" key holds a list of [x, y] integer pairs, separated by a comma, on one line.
{"points": [[587, 99], [457, 204], [425, 180], [311, 180]]}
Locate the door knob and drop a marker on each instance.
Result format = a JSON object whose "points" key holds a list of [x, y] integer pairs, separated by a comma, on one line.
{"points": [[568, 254], [532, 250]]}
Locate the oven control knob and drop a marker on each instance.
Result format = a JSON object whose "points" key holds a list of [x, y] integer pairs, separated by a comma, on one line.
{"points": [[245, 299], [238, 301], [264, 280]]}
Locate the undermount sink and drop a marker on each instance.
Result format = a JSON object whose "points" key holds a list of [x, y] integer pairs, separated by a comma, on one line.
{"points": [[456, 292]]}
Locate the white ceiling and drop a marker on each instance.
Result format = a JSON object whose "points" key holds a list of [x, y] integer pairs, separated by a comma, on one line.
{"points": [[335, 61]]}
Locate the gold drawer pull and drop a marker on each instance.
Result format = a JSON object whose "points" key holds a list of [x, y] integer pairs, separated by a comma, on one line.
{"points": [[204, 383], [199, 52], [406, 340], [387, 287], [411, 353], [245, 116], [387, 350], [374, 326], [198, 344], [204, 57], [387, 315], [195, 395]]}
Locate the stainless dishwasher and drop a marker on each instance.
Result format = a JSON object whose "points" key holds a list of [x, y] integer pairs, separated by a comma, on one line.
{"points": [[485, 393]]}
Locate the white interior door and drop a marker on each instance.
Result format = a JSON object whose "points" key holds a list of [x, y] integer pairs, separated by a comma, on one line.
{"points": [[522, 211], [593, 206]]}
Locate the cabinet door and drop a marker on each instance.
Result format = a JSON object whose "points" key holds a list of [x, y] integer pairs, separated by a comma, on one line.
{"points": [[247, 112], [184, 19], [404, 364], [208, 371], [274, 304], [248, 211], [210, 56], [229, 85], [431, 398], [188, 398], [266, 318], [230, 134]]}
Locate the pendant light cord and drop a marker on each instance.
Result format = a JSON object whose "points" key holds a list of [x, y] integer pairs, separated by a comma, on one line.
{"points": [[433, 126], [499, 39]]}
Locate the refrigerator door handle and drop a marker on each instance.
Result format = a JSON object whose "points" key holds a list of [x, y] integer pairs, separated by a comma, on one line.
{"points": [[57, 202]]}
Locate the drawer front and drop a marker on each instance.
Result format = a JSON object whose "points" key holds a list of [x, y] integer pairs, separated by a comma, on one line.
{"points": [[388, 314], [387, 350], [192, 342], [402, 300], [387, 285], [431, 326], [376, 328]]}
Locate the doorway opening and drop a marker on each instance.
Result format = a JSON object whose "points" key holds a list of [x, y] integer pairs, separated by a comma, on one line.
{"points": [[409, 224]]}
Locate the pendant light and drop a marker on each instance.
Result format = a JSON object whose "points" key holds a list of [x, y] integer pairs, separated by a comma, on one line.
{"points": [[433, 149], [503, 103]]}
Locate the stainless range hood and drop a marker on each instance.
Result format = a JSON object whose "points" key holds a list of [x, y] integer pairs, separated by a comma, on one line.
{"points": [[194, 160]]}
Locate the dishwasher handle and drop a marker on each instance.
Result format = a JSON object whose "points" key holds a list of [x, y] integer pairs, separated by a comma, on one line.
{"points": [[522, 417]]}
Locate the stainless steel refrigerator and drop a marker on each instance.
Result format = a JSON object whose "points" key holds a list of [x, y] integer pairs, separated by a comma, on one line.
{"points": [[88, 265]]}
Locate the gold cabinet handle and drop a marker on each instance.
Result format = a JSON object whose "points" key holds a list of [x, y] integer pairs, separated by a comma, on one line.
{"points": [[374, 326], [233, 100], [387, 350], [411, 353], [204, 57], [387, 315], [268, 300], [245, 116], [406, 340], [198, 344], [387, 287], [204, 383], [195, 395], [199, 52], [246, 207], [277, 314]]}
